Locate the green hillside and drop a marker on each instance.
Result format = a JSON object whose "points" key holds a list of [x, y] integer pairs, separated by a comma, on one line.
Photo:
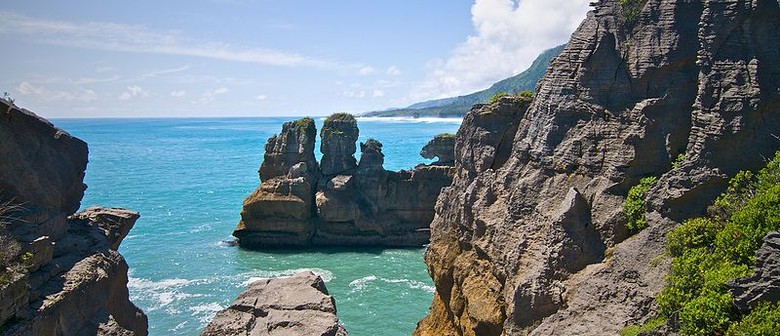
{"points": [[458, 106]]}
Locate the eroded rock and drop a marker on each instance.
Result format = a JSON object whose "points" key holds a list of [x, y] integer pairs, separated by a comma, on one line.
{"points": [[630, 92], [297, 305]]}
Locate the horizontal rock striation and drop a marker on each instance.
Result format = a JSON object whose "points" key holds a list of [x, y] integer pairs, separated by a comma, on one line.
{"points": [[341, 201], [67, 277], [531, 238], [297, 305]]}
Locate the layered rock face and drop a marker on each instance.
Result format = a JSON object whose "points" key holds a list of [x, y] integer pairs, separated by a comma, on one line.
{"points": [[298, 305], [70, 280], [341, 202], [531, 237]]}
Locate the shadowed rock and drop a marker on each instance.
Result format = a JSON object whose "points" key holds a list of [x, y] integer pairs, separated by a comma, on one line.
{"points": [[764, 284], [441, 146], [72, 280]]}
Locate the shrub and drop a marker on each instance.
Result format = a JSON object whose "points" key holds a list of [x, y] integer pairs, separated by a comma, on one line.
{"points": [[708, 252], [634, 206], [678, 160], [526, 95], [650, 325], [764, 320], [346, 117], [496, 97]]}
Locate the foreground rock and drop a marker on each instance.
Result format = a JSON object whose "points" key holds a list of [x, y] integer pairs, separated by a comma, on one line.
{"points": [[520, 240], [764, 284], [298, 305], [67, 278], [442, 147], [342, 202]]}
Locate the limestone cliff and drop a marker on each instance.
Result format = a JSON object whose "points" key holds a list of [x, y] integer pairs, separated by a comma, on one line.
{"points": [[531, 238], [340, 201], [66, 278]]}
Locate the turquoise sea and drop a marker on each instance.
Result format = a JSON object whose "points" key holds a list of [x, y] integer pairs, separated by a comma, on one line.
{"points": [[188, 178]]}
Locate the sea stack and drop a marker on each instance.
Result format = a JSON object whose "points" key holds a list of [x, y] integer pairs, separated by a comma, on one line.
{"points": [[339, 201]]}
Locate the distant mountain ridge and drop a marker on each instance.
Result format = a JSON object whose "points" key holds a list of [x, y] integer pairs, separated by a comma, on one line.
{"points": [[458, 106]]}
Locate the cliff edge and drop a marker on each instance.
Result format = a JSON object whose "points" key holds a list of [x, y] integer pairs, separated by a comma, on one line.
{"points": [[61, 272], [530, 238]]}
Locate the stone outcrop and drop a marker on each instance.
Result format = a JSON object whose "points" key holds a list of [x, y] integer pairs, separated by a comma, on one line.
{"points": [[441, 146], [530, 238], [764, 284], [341, 202], [339, 134], [69, 278], [296, 305]]}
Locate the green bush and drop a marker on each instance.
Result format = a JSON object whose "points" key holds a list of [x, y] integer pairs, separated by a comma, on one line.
{"points": [[496, 97], [634, 330], [764, 320], [526, 95], [708, 252], [678, 160], [340, 117], [634, 206]]}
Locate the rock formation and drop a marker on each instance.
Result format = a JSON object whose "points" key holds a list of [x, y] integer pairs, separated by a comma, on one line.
{"points": [[441, 146], [298, 305], [764, 284], [530, 238], [341, 202], [67, 278]]}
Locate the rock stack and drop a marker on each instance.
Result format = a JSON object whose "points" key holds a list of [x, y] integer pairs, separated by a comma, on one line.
{"points": [[339, 201]]}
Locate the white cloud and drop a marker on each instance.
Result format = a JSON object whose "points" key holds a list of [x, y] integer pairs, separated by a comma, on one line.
{"points": [[354, 93], [140, 39], [178, 93], [393, 71], [509, 36], [261, 97], [366, 70], [133, 91], [165, 72], [378, 93], [209, 96], [42, 93]]}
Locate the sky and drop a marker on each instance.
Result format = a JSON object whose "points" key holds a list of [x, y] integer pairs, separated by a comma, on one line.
{"points": [[220, 58]]}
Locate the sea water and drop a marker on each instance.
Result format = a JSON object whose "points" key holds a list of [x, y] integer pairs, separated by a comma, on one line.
{"points": [[188, 178]]}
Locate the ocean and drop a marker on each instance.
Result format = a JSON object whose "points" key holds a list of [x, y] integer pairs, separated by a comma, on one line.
{"points": [[188, 179]]}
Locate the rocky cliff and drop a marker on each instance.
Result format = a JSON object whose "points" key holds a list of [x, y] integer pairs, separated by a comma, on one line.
{"points": [[62, 274], [531, 238], [339, 201], [296, 305]]}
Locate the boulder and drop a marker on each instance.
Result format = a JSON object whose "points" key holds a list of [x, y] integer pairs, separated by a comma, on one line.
{"points": [[297, 305]]}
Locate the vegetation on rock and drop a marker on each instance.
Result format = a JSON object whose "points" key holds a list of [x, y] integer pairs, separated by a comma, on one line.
{"points": [[634, 206], [707, 252], [303, 123], [631, 8]]}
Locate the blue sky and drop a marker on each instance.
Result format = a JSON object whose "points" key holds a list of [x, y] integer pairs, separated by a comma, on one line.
{"points": [[266, 57]]}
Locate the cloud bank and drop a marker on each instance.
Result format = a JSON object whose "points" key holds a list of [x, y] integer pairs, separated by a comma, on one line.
{"points": [[509, 36], [140, 39]]}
